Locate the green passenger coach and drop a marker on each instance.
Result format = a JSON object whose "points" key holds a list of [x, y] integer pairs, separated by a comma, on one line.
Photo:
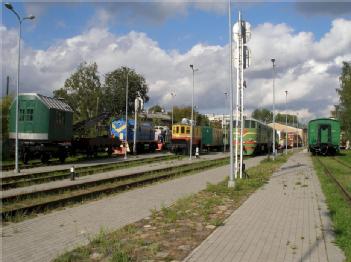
{"points": [[41, 118], [324, 136]]}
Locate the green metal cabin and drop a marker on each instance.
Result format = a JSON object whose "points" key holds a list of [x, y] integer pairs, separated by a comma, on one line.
{"points": [[41, 118], [324, 136], [211, 137]]}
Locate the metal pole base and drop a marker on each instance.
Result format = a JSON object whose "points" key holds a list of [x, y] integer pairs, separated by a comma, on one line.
{"points": [[231, 183]]}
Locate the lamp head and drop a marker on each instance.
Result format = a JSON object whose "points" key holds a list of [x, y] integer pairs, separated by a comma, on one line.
{"points": [[31, 17], [9, 6], [273, 60], [191, 66]]}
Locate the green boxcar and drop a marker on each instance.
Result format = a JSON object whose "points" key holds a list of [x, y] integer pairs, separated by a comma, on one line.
{"points": [[211, 137], [324, 136], [41, 118]]}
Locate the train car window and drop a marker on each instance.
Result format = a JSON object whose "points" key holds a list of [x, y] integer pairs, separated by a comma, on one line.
{"points": [[247, 124], [21, 115], [253, 124], [182, 129], [177, 129], [188, 130]]}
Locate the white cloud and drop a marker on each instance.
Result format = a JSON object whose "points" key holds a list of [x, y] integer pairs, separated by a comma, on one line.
{"points": [[305, 67]]}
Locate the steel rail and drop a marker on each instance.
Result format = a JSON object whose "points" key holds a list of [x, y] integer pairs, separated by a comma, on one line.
{"points": [[15, 181], [91, 192], [345, 193]]}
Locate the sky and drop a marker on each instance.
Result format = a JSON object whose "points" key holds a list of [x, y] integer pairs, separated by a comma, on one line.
{"points": [[160, 39]]}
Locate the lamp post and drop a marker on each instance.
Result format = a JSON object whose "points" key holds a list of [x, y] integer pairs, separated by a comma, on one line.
{"points": [[293, 132], [286, 122], [192, 114], [20, 20], [297, 130], [126, 143], [173, 94], [273, 60], [225, 121]]}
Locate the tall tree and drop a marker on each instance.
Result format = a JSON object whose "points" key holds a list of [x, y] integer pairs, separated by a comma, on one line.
{"points": [[185, 112], [156, 109], [82, 91], [344, 109], [114, 90], [263, 115], [5, 106]]}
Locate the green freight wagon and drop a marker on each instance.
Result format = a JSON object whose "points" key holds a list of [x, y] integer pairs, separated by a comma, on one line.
{"points": [[44, 123], [324, 136], [211, 138]]}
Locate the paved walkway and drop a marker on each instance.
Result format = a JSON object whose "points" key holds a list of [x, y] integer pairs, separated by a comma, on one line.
{"points": [[286, 220], [46, 236]]}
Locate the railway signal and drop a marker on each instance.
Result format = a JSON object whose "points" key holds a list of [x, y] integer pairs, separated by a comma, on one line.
{"points": [[241, 35]]}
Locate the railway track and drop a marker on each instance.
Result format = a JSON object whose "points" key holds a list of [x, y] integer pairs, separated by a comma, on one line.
{"points": [[9, 167], [341, 162], [344, 192], [24, 204], [15, 181]]}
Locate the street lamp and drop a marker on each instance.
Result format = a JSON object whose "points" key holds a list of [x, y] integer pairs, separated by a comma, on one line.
{"points": [[126, 143], [20, 20], [173, 94], [192, 113], [286, 122], [225, 121], [273, 60]]}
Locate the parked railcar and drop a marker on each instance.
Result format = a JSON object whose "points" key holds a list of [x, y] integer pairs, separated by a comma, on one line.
{"points": [[181, 138], [257, 137], [44, 126], [45, 129], [211, 138], [145, 135], [324, 136]]}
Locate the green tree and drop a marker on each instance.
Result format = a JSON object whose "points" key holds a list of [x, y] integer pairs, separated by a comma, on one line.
{"points": [[5, 107], [263, 115], [114, 90], [185, 112], [156, 109], [82, 91], [344, 108]]}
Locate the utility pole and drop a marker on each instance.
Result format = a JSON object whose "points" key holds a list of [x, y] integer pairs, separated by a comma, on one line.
{"points": [[231, 182], [126, 139], [273, 150], [241, 35], [286, 122]]}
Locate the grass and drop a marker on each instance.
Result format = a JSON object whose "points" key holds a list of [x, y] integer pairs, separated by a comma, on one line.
{"points": [[172, 232], [340, 210]]}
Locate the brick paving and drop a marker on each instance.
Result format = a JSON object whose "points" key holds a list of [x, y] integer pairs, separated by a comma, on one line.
{"points": [[46, 236], [286, 220]]}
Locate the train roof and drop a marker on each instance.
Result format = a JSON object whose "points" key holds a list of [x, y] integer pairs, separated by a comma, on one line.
{"points": [[50, 102], [324, 118]]}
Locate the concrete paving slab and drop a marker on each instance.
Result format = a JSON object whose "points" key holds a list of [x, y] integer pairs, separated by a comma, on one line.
{"points": [[286, 220]]}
